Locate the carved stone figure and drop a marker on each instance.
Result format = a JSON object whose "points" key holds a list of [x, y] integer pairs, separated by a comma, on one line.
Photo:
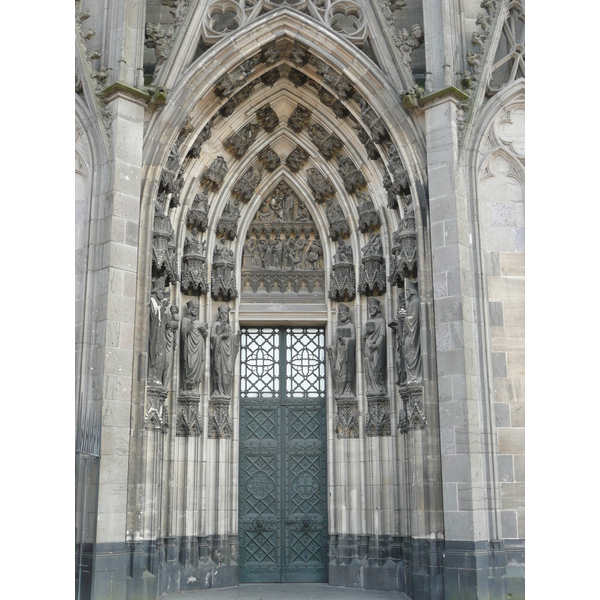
{"points": [[268, 118], [372, 271], [338, 226], [374, 350], [352, 177], [296, 159], [334, 80], [271, 55], [368, 218], [163, 259], [409, 41], [230, 81], [342, 355], [341, 112], [342, 284], [171, 326], [320, 186], [269, 159], [244, 188], [372, 121], [157, 348], [403, 262], [198, 214], [297, 77], [299, 118], [222, 277], [314, 254], [299, 56], [227, 225], [203, 136], [329, 145], [270, 77], [239, 142], [411, 337], [193, 334], [161, 41], [214, 175], [223, 351], [193, 266]]}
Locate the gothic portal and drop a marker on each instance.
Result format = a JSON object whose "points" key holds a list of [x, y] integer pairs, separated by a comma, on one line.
{"points": [[300, 260]]}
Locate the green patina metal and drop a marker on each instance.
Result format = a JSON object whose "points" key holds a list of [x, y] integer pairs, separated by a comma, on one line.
{"points": [[283, 492]]}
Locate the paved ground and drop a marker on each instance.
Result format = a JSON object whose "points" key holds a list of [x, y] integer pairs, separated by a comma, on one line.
{"points": [[286, 591]]}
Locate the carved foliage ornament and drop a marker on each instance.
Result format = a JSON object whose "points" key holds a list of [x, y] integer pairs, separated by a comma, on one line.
{"points": [[299, 118]]}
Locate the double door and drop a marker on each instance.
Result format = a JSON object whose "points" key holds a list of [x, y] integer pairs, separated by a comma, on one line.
{"points": [[283, 497]]}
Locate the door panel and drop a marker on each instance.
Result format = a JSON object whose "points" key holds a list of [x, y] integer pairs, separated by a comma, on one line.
{"points": [[283, 502]]}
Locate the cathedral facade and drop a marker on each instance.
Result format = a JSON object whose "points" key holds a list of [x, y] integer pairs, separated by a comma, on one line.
{"points": [[300, 296]]}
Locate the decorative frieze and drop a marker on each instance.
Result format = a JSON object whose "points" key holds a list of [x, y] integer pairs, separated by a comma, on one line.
{"points": [[353, 179], [342, 284], [319, 185], [246, 184], [238, 143], [197, 216], [222, 284], [372, 271], [214, 175]]}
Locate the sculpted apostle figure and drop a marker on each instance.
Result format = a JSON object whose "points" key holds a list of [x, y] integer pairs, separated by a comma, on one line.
{"points": [[193, 334], [157, 350], [411, 338], [342, 355], [374, 350], [223, 350]]}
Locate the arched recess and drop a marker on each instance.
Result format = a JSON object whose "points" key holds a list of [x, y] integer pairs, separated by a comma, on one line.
{"points": [[495, 164], [368, 508]]}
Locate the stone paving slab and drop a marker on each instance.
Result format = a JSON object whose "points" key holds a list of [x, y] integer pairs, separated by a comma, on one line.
{"points": [[286, 591]]}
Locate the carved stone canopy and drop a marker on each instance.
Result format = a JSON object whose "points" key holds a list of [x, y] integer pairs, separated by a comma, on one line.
{"points": [[342, 284], [403, 262]]}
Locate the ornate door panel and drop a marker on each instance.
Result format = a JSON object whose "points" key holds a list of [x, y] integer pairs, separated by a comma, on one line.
{"points": [[283, 492]]}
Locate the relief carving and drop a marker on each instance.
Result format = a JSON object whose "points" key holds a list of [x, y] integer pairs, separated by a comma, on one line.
{"points": [[270, 55], [193, 266], [219, 422], [193, 335], [352, 177], [377, 420], [372, 271], [368, 218], [297, 77], [189, 420], [334, 80], [239, 142], [346, 422], [296, 159], [214, 175], [270, 77], [157, 416], [227, 225], [299, 56], [299, 118], [342, 285], [198, 214], [230, 81], [340, 111], [282, 248], [413, 413], [244, 188], [267, 118], [375, 124], [329, 145], [319, 185]]}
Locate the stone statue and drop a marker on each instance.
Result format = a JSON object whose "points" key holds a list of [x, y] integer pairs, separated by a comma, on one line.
{"points": [[193, 334], [411, 338], [374, 350], [171, 326], [157, 350], [223, 350], [342, 355]]}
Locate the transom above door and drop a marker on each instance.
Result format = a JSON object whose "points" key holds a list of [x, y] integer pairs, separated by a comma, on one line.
{"points": [[283, 491]]}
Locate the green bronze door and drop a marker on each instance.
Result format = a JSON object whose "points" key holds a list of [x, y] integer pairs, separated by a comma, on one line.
{"points": [[283, 491]]}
